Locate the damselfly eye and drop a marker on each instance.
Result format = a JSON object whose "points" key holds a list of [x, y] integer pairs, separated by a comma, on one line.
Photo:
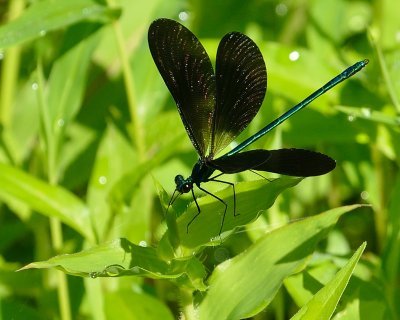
{"points": [[187, 187], [179, 179]]}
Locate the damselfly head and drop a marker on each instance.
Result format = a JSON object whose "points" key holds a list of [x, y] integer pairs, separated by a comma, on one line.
{"points": [[183, 185]]}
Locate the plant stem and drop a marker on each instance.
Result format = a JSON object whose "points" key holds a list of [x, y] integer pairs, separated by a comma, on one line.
{"points": [[136, 129], [188, 309], [380, 211], [10, 70], [55, 224], [8, 82]]}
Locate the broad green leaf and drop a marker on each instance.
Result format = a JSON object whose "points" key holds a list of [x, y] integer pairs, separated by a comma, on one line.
{"points": [[323, 304], [274, 257], [48, 200], [252, 198], [123, 258], [145, 307], [45, 16]]}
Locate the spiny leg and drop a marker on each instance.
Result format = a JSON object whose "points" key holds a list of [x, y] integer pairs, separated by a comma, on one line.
{"points": [[233, 188], [226, 206], [198, 212]]}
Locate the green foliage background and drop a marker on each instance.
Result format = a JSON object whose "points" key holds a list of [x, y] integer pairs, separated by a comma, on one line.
{"points": [[90, 143]]}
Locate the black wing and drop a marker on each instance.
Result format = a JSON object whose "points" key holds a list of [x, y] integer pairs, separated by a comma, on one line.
{"points": [[187, 71], [297, 162], [241, 79], [240, 161]]}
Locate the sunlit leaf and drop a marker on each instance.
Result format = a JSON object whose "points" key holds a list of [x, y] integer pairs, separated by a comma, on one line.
{"points": [[271, 259], [46, 16], [118, 305], [123, 258], [323, 304], [252, 198], [51, 201]]}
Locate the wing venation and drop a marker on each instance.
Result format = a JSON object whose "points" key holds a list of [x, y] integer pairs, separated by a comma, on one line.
{"points": [[187, 71], [241, 80]]}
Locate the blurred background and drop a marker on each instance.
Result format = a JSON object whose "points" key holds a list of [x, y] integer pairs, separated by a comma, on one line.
{"points": [[87, 125]]}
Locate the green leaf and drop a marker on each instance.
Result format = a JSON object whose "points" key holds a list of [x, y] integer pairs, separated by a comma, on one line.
{"points": [[344, 18], [252, 198], [323, 304], [390, 25], [67, 84], [46, 199], [371, 115], [123, 189], [45, 16], [274, 257], [123, 258], [302, 286], [302, 76], [14, 309], [115, 156], [68, 77], [363, 294], [119, 306]]}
